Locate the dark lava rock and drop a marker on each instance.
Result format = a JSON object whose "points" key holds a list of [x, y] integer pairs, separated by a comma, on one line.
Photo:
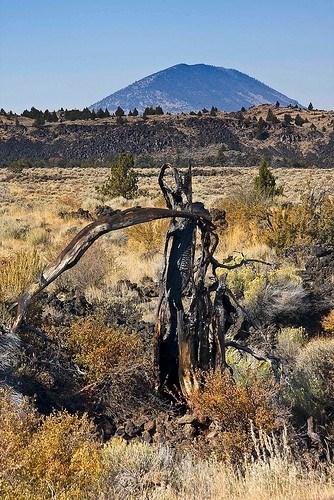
{"points": [[78, 214], [150, 426], [105, 211], [66, 305], [131, 429]]}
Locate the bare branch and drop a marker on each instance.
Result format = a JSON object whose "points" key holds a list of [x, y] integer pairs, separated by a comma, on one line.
{"points": [[243, 262], [83, 240], [248, 350]]}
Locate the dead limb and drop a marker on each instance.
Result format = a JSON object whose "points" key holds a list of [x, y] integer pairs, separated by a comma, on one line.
{"points": [[194, 316], [80, 244], [248, 350]]}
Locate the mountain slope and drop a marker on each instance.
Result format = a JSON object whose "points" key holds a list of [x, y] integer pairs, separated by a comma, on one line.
{"points": [[183, 88]]}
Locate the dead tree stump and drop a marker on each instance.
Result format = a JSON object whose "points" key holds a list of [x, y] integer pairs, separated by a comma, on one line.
{"points": [[195, 311]]}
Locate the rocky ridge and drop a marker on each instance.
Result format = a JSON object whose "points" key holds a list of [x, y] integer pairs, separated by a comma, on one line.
{"points": [[241, 138]]}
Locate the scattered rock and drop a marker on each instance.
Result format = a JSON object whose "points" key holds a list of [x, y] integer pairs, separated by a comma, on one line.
{"points": [[105, 211], [146, 437], [131, 429], [186, 419], [150, 426]]}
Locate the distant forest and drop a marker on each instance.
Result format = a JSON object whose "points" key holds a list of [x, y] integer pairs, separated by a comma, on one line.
{"points": [[42, 117]]}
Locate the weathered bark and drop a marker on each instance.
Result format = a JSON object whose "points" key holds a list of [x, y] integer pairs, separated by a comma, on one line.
{"points": [[191, 326], [195, 311], [80, 244]]}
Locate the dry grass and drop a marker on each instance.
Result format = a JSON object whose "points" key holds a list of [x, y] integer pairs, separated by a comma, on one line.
{"points": [[139, 470], [32, 233], [32, 202], [59, 456]]}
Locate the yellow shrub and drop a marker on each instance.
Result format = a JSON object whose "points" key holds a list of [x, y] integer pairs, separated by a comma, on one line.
{"points": [[148, 238], [301, 223], [41, 457], [252, 220], [100, 350], [38, 236], [233, 407], [327, 322], [17, 273]]}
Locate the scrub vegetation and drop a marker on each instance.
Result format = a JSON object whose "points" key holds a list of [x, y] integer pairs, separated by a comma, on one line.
{"points": [[80, 416]]}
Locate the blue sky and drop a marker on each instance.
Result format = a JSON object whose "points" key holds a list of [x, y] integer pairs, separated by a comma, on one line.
{"points": [[72, 53]]}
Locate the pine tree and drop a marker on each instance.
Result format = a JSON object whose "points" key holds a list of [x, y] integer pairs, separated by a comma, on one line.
{"points": [[100, 113], [310, 107], [123, 180], [299, 120], [271, 117], [265, 182], [119, 112], [213, 111]]}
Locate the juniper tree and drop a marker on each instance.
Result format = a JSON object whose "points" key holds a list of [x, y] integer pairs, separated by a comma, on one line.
{"points": [[265, 182], [123, 180]]}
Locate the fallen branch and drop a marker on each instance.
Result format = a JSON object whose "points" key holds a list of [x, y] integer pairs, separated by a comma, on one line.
{"points": [[83, 240]]}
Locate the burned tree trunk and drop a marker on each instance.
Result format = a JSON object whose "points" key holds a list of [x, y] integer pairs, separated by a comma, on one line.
{"points": [[195, 310], [190, 327]]}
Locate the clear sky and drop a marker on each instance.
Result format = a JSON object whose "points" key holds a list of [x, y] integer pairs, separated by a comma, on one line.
{"points": [[72, 53]]}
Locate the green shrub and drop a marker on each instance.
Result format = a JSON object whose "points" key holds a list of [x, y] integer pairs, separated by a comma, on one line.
{"points": [[311, 388], [289, 342], [265, 182], [270, 295], [122, 180]]}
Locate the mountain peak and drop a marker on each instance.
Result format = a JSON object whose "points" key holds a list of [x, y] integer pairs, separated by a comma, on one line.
{"points": [[185, 87]]}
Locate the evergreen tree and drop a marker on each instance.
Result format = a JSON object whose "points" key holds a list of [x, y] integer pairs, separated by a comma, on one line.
{"points": [[310, 107], [299, 120], [271, 117], [100, 113], [123, 180], [86, 114], [287, 119], [213, 111], [277, 105], [135, 112], [47, 116], [261, 133], [119, 112], [265, 182]]}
